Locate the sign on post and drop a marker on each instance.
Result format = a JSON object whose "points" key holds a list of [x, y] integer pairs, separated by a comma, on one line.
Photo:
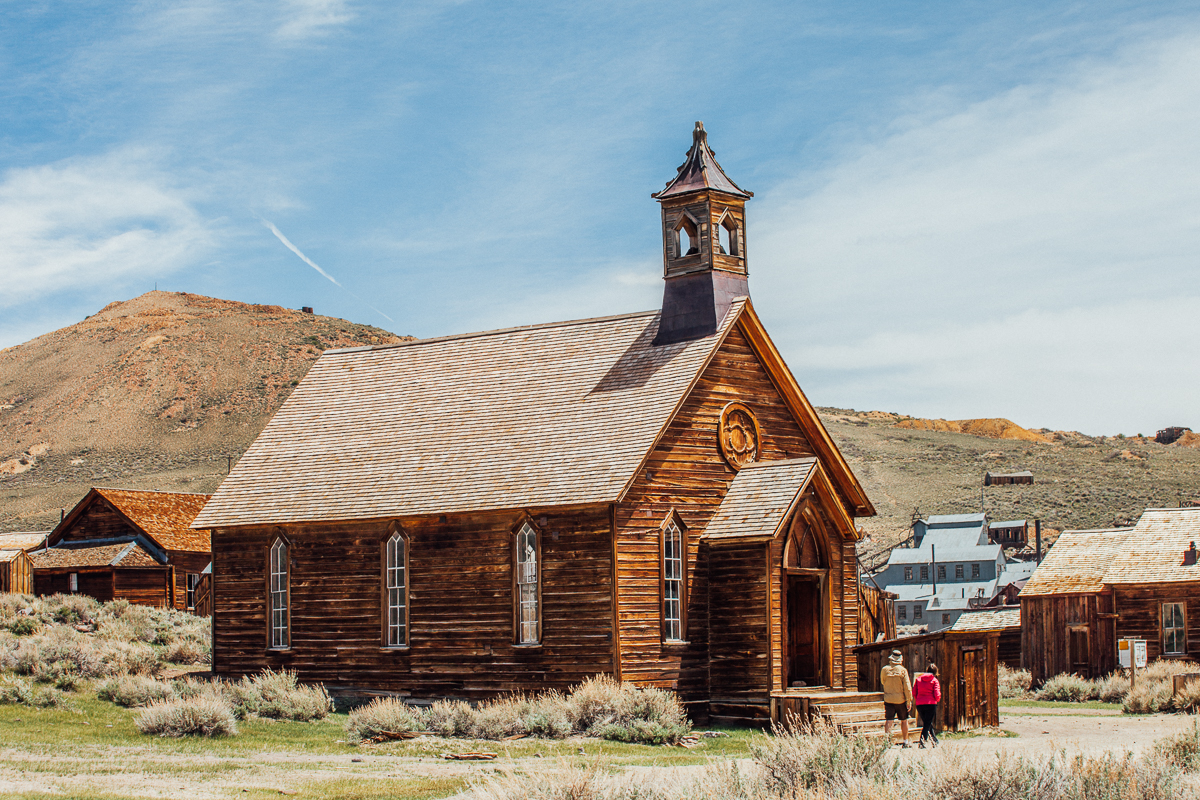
{"points": [[1135, 646]]}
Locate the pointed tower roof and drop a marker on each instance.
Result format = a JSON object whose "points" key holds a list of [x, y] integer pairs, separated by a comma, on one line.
{"points": [[700, 171]]}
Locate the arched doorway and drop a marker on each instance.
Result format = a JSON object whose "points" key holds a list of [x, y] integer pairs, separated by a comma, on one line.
{"points": [[805, 582]]}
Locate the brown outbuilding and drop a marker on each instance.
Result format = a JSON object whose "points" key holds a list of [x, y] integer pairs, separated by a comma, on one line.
{"points": [[131, 544]]}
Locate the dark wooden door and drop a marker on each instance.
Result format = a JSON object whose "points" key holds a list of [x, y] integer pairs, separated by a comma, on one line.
{"points": [[973, 688], [1077, 647], [804, 632]]}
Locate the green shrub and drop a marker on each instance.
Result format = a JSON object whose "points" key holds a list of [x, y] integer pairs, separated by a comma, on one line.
{"points": [[199, 716], [1067, 688], [24, 626], [277, 695], [381, 717], [450, 718], [602, 707], [22, 692], [133, 691], [1148, 697], [185, 651]]}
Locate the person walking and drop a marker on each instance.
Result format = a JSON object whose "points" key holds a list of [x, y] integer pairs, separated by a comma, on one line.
{"points": [[897, 696], [927, 693]]}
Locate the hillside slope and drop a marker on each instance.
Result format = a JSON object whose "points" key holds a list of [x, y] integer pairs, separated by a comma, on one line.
{"points": [[1079, 481], [157, 392]]}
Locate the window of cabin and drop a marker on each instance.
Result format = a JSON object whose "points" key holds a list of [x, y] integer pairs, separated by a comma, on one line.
{"points": [[192, 581], [395, 587], [1174, 629], [901, 612], [529, 600], [924, 573], [278, 586], [958, 572], [73, 581], [941, 572], [908, 573], [974, 570], [917, 611], [674, 554]]}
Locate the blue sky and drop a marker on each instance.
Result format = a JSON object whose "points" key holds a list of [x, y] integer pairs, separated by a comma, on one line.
{"points": [[961, 210]]}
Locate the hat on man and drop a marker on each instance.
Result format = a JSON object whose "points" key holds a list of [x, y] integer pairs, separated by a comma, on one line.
{"points": [[896, 657]]}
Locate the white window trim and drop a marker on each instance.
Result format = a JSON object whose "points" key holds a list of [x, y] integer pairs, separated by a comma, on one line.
{"points": [[527, 584], [674, 580], [279, 585], [396, 581]]}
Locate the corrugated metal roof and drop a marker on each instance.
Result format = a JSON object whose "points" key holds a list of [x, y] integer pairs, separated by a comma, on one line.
{"points": [[991, 619], [1153, 550], [165, 516], [1012, 523], [954, 519], [1076, 563], [759, 499], [537, 416], [23, 540]]}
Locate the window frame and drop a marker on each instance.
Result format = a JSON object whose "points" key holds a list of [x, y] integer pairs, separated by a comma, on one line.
{"points": [[908, 574], [394, 532], [539, 566], [191, 581], [279, 539], [924, 573], [975, 571], [673, 518], [959, 572], [902, 612], [941, 572], [917, 611], [1182, 604], [946, 619]]}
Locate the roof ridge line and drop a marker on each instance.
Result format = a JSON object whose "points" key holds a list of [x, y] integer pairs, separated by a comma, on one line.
{"points": [[147, 491], [493, 332]]}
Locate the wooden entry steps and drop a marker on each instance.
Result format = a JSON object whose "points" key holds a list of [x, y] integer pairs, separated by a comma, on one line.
{"points": [[851, 713]]}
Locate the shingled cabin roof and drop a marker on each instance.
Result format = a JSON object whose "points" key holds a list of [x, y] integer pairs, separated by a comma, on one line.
{"points": [[1153, 550], [990, 619], [530, 417], [1077, 562], [759, 499], [166, 517], [22, 540], [128, 553]]}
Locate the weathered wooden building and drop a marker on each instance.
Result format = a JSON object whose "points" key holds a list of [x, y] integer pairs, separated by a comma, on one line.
{"points": [[1004, 621], [1095, 587], [120, 543], [649, 496], [16, 573], [967, 670]]}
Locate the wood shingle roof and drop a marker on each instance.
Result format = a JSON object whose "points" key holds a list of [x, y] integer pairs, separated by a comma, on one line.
{"points": [[1076, 563], [131, 553], [166, 517], [1153, 551], [537, 416], [759, 499]]}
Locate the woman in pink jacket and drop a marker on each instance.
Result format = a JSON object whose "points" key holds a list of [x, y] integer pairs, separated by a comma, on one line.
{"points": [[926, 694]]}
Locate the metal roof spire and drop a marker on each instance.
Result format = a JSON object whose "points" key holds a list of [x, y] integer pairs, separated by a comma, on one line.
{"points": [[700, 171]]}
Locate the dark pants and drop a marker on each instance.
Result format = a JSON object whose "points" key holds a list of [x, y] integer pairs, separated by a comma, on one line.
{"points": [[926, 713]]}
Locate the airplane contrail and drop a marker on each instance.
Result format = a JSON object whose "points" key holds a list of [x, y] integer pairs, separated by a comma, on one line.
{"points": [[288, 244]]}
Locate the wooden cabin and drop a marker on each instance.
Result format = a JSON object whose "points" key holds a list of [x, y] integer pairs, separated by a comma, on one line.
{"points": [[120, 543], [649, 496], [967, 670], [1068, 623], [1096, 587], [16, 573]]}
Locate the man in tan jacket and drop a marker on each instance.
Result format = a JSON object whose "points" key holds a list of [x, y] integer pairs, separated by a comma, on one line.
{"points": [[897, 696]]}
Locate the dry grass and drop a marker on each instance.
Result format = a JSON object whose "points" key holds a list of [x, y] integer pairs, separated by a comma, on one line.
{"points": [[134, 691]]}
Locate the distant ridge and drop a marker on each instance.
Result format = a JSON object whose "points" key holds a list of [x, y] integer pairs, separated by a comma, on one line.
{"points": [[996, 428]]}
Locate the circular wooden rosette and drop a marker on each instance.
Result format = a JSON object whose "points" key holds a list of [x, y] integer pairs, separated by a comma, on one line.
{"points": [[739, 435]]}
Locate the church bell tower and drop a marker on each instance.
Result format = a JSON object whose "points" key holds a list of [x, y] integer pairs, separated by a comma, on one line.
{"points": [[704, 245]]}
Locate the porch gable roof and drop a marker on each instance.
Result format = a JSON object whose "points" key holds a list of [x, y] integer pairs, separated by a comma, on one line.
{"points": [[760, 499]]}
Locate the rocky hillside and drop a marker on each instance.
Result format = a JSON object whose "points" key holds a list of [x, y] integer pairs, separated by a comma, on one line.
{"points": [[158, 392], [1079, 481]]}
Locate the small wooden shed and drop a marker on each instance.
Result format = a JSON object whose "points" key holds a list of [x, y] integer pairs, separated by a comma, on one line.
{"points": [[967, 665], [1006, 621], [16, 575]]}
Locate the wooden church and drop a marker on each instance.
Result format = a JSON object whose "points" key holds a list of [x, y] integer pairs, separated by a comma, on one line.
{"points": [[648, 495]]}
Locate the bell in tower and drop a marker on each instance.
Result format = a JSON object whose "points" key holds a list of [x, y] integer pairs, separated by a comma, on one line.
{"points": [[704, 245]]}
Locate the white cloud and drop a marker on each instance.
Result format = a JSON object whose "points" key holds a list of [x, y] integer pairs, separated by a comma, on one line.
{"points": [[303, 19], [85, 222], [1050, 208]]}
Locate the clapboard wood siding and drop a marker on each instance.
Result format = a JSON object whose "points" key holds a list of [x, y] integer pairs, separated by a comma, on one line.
{"points": [[687, 474], [461, 614], [739, 673], [16, 574], [1140, 617], [185, 563], [1046, 622]]}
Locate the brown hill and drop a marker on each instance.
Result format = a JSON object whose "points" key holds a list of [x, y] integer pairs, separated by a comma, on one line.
{"points": [[987, 428], [153, 392]]}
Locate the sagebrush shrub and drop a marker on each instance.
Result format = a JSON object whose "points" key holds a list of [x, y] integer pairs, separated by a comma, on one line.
{"points": [[199, 716], [1067, 688], [382, 716], [186, 651], [22, 692], [450, 718], [1182, 749], [817, 757], [1014, 682], [277, 695], [133, 691], [24, 626], [1148, 697], [1113, 688]]}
